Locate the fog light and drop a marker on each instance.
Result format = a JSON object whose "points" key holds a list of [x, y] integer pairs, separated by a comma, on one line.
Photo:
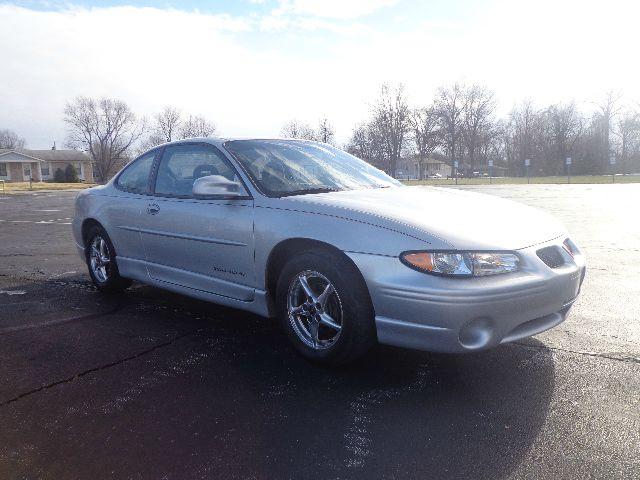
{"points": [[476, 334]]}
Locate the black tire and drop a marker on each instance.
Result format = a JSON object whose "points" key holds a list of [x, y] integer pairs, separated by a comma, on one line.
{"points": [[113, 283], [358, 332]]}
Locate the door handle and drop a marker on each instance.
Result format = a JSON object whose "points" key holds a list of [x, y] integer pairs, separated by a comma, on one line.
{"points": [[153, 209]]}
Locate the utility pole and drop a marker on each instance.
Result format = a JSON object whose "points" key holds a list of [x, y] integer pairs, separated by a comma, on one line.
{"points": [[527, 163], [490, 163], [455, 170], [568, 163]]}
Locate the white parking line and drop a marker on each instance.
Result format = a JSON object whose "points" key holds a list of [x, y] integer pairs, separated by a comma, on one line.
{"points": [[39, 222]]}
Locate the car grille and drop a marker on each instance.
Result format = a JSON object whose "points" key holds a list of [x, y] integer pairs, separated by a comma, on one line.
{"points": [[551, 256]]}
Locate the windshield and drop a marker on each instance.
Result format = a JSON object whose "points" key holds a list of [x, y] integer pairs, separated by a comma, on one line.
{"points": [[295, 167]]}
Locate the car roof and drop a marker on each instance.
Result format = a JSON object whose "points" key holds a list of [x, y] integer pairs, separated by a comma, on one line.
{"points": [[218, 141]]}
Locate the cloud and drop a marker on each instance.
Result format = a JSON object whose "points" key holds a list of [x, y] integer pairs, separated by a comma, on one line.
{"points": [[251, 74], [337, 9], [150, 58]]}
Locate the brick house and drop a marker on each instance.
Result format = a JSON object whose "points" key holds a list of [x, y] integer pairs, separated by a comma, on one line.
{"points": [[20, 164]]}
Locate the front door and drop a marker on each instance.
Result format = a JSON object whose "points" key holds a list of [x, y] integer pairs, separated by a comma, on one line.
{"points": [[206, 245]]}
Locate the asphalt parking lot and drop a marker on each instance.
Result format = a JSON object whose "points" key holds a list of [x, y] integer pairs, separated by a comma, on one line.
{"points": [[154, 385]]}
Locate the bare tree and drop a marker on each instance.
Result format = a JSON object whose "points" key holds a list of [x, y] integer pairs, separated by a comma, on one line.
{"points": [[562, 129], [325, 132], [164, 128], [197, 126], [424, 124], [523, 126], [609, 109], [494, 145], [462, 125], [297, 129], [365, 143], [449, 105], [10, 140], [167, 123], [391, 120], [105, 128], [479, 106], [628, 134]]}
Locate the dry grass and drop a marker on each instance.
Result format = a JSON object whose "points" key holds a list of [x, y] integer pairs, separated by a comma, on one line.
{"points": [[12, 187]]}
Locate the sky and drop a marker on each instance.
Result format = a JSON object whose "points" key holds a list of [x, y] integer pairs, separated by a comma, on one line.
{"points": [[251, 65]]}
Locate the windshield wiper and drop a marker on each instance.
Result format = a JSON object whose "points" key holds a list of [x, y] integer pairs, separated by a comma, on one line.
{"points": [[305, 191]]}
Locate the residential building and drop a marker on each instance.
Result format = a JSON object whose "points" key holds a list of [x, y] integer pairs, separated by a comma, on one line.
{"points": [[40, 165], [409, 168]]}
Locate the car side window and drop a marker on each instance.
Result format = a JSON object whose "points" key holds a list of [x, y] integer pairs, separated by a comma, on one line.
{"points": [[135, 178], [181, 165]]}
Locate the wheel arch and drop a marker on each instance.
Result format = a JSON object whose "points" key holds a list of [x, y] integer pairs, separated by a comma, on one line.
{"points": [[290, 247], [87, 224]]}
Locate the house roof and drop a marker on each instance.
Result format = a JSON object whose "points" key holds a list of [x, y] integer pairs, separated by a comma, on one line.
{"points": [[427, 160], [49, 155]]}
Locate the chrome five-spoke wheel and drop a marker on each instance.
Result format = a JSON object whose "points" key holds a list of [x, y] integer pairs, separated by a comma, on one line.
{"points": [[100, 259], [314, 310]]}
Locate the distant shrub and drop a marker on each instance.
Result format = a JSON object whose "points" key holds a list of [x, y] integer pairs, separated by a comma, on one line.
{"points": [[59, 176], [70, 174]]}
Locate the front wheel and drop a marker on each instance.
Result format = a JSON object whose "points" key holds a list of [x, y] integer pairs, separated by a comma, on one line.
{"points": [[101, 260], [325, 308]]}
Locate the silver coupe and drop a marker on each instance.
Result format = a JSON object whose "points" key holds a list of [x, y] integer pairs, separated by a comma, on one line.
{"points": [[341, 253]]}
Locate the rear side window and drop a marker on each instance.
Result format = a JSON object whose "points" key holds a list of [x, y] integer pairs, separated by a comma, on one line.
{"points": [[181, 165], [135, 178]]}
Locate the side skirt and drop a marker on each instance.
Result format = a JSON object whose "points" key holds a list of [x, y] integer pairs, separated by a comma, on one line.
{"points": [[137, 270]]}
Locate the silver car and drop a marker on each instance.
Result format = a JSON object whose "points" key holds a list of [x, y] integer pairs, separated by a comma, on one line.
{"points": [[341, 253]]}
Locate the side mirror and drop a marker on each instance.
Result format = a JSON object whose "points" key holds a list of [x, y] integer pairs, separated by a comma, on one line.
{"points": [[216, 186]]}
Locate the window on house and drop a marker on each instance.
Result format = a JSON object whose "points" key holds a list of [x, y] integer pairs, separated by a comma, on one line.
{"points": [[44, 168], [3, 169]]}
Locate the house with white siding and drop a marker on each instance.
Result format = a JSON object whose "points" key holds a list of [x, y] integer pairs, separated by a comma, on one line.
{"points": [[412, 167], [18, 165]]}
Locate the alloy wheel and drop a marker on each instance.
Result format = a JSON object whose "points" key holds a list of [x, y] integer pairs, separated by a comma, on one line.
{"points": [[100, 259], [314, 310]]}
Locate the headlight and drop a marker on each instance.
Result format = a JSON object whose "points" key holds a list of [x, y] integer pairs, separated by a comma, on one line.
{"points": [[469, 264]]}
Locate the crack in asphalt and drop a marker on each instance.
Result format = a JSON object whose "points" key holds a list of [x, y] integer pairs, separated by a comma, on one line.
{"points": [[99, 368], [607, 356]]}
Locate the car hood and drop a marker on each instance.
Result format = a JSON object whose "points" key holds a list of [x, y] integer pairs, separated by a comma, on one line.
{"points": [[462, 219]]}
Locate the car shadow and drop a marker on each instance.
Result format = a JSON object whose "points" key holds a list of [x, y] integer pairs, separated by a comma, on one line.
{"points": [[238, 401], [393, 413]]}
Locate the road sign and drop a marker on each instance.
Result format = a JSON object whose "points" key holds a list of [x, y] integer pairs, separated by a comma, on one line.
{"points": [[455, 164], [612, 160], [490, 163], [568, 160], [527, 162]]}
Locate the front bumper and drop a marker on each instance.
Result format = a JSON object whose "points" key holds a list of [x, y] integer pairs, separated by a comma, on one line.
{"points": [[442, 314]]}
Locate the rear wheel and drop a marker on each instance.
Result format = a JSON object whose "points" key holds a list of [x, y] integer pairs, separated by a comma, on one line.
{"points": [[325, 308], [101, 260]]}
